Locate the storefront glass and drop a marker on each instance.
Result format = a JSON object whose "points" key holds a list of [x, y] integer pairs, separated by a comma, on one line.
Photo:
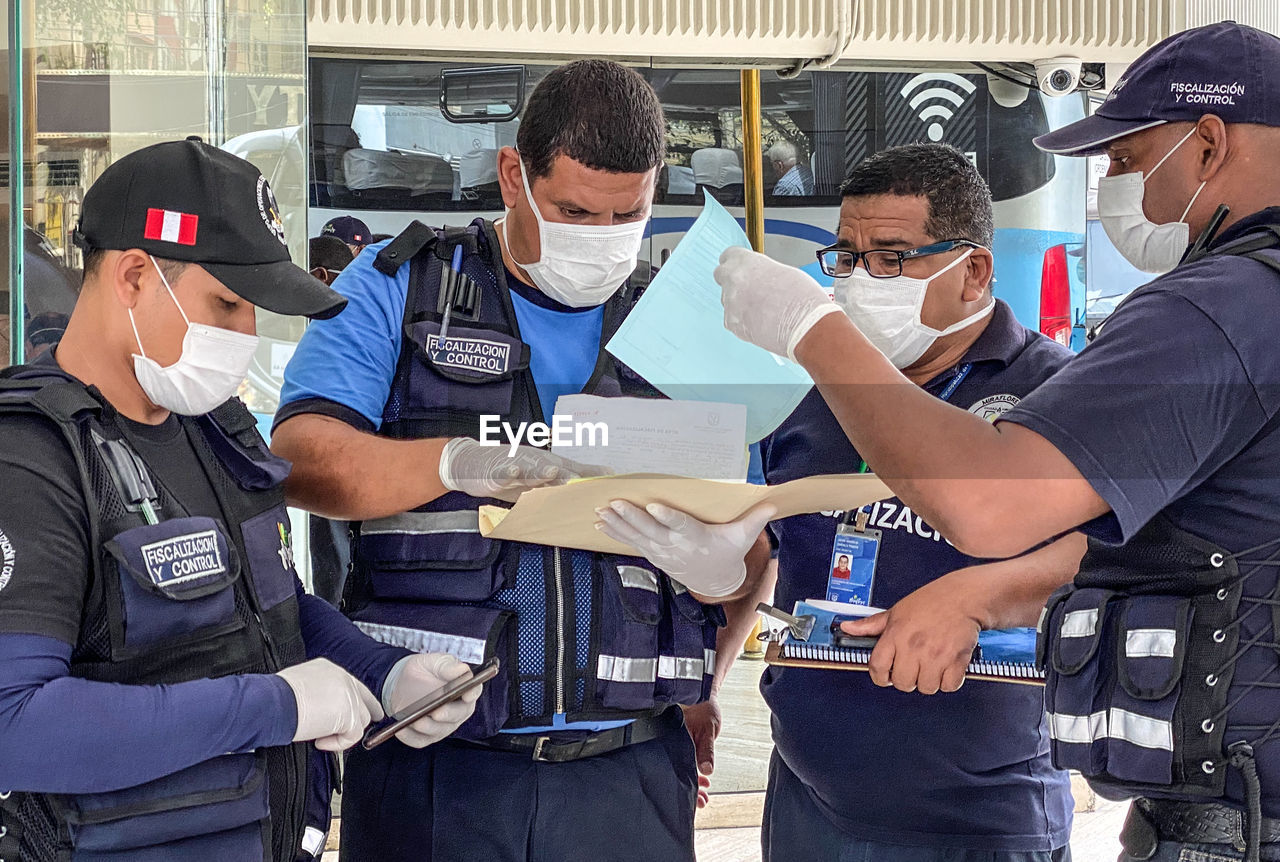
{"points": [[102, 78]]}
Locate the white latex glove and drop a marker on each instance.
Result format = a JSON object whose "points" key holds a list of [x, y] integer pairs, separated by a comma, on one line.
{"points": [[334, 707], [706, 558], [416, 676], [492, 471], [767, 303]]}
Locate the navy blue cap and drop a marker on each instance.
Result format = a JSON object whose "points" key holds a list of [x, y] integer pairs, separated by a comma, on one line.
{"points": [[349, 229], [1225, 69]]}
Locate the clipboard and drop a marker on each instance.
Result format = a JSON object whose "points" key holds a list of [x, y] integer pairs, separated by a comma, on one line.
{"points": [[787, 653]]}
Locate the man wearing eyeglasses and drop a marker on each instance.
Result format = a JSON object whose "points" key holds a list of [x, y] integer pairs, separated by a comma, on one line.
{"points": [[860, 771]]}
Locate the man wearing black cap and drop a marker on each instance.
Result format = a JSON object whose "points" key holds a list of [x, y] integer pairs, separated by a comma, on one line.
{"points": [[1160, 442], [164, 680]]}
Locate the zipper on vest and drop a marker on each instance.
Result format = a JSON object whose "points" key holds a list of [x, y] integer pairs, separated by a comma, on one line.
{"points": [[561, 629]]}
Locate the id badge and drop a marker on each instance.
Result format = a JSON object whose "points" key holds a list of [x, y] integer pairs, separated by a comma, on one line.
{"points": [[853, 565]]}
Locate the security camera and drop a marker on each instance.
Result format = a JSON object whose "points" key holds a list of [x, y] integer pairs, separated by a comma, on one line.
{"points": [[1059, 76]]}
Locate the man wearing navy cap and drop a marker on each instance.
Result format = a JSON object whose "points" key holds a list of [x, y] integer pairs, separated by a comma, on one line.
{"points": [[1161, 442], [350, 230], [165, 683]]}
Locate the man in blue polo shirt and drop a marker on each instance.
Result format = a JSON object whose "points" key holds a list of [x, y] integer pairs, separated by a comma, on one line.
{"points": [[1159, 441], [861, 772], [577, 749]]}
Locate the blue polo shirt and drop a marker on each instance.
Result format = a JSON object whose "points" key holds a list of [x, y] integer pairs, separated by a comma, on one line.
{"points": [[1174, 410], [969, 769]]}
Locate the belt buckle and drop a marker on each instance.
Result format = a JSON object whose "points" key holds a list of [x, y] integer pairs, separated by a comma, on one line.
{"points": [[537, 749]]}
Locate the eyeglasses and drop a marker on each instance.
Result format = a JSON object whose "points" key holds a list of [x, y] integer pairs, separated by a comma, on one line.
{"points": [[880, 262]]}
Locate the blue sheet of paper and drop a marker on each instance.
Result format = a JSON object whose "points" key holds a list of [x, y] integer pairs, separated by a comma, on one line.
{"points": [[675, 336]]}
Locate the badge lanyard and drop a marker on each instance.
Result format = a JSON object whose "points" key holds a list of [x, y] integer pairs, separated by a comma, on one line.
{"points": [[856, 550]]}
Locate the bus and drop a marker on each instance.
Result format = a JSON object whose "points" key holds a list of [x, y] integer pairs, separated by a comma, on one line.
{"points": [[393, 140]]}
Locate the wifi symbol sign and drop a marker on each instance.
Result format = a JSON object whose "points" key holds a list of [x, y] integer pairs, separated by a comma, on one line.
{"points": [[937, 95]]}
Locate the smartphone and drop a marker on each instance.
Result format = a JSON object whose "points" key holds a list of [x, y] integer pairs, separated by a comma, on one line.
{"points": [[451, 691]]}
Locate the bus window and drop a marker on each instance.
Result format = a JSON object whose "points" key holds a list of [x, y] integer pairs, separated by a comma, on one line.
{"points": [[379, 140]]}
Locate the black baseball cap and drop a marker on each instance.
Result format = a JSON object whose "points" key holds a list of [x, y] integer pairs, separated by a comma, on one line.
{"points": [[349, 229], [189, 201], [1226, 69]]}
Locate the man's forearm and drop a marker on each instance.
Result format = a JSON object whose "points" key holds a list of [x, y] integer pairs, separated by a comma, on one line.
{"points": [[1011, 593], [347, 474], [992, 490]]}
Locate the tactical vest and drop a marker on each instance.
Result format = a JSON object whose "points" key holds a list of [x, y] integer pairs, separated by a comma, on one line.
{"points": [[594, 636], [1140, 652], [172, 598]]}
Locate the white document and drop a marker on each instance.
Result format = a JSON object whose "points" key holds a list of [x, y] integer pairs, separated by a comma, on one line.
{"points": [[699, 439]]}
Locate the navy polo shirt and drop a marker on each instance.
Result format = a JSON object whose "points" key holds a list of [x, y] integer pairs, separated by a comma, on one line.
{"points": [[1173, 410], [969, 769]]}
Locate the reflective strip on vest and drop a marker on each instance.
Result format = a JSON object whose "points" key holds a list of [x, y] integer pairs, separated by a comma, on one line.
{"points": [[1078, 728], [638, 578], [1044, 615], [678, 667], [312, 841], [470, 650], [618, 669], [1079, 624], [709, 660], [1150, 643], [424, 523], [1140, 730]]}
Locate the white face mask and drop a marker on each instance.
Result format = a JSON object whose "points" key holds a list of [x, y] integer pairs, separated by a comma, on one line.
{"points": [[887, 312], [581, 264], [1148, 246], [213, 364]]}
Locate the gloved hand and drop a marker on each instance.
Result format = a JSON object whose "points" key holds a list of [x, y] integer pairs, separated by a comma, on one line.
{"points": [[334, 707], [416, 676], [767, 303], [491, 471], [706, 558]]}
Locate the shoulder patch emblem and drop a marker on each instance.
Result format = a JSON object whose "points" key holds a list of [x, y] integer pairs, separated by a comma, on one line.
{"points": [[993, 407]]}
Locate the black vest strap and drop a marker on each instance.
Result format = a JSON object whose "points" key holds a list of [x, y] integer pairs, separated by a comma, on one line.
{"points": [[403, 248]]}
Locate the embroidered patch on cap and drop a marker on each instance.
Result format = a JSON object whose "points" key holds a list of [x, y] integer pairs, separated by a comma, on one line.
{"points": [[171, 226], [270, 210], [8, 559]]}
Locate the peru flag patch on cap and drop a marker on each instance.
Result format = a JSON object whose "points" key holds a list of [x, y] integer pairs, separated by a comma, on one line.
{"points": [[171, 226]]}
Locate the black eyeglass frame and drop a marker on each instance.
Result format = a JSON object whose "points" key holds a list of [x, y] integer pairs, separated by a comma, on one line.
{"points": [[904, 255]]}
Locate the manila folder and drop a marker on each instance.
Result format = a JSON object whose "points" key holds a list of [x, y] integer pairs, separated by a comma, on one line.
{"points": [[565, 515]]}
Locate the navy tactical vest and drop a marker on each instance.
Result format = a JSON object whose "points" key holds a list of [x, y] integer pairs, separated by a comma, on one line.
{"points": [[594, 636], [172, 598], [1140, 652]]}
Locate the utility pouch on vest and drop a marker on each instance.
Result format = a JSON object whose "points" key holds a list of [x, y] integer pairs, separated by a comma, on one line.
{"points": [[688, 644], [174, 585], [218, 808], [1137, 675], [435, 556], [470, 633], [624, 656]]}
